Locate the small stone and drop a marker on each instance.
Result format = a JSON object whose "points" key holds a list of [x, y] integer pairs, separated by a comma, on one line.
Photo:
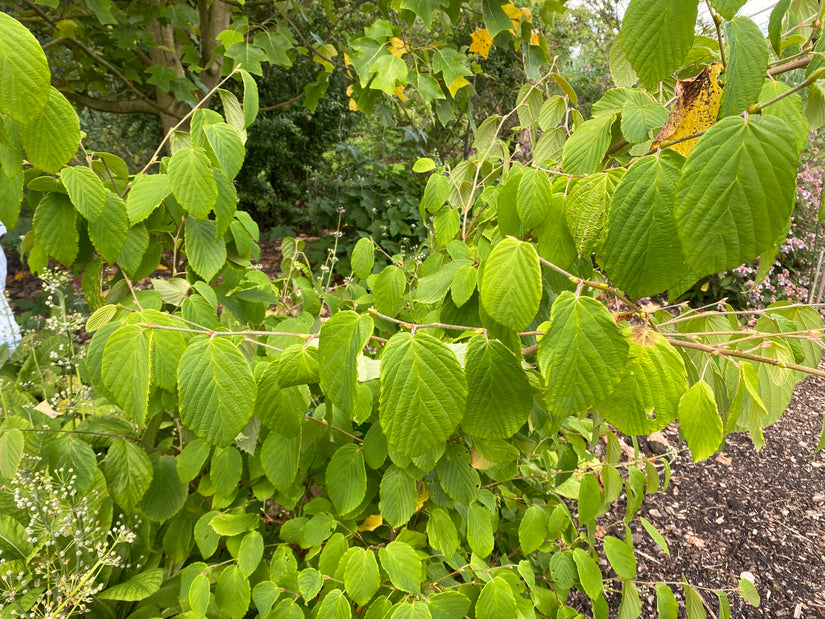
{"points": [[658, 444]]}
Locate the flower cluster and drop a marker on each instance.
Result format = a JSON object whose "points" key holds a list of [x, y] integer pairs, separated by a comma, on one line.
{"points": [[67, 543]]}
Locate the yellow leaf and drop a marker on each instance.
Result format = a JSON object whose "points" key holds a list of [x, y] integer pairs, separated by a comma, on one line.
{"points": [[513, 12], [457, 85], [399, 91], [480, 462], [398, 47], [371, 523], [697, 105], [353, 105], [481, 42], [527, 14], [423, 495], [535, 39], [324, 54]]}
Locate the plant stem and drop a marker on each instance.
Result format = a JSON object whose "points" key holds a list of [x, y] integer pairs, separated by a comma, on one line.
{"points": [[746, 355]]}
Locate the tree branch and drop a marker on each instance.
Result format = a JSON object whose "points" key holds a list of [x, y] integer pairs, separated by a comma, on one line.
{"points": [[799, 63], [130, 106]]}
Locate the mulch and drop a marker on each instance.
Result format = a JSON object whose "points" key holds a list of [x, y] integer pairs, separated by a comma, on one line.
{"points": [[743, 511]]}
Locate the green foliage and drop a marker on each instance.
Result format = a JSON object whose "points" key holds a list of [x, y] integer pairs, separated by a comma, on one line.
{"points": [[415, 440]]}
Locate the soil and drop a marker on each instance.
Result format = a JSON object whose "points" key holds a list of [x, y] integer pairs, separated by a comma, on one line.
{"points": [[742, 511]]}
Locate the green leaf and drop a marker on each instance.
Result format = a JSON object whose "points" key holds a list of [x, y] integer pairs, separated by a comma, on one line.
{"points": [[361, 576], [449, 605], [346, 478], [11, 196], [389, 70], [736, 193], [457, 476], [590, 576], [55, 228], [511, 284], [310, 582], [748, 592], [639, 252], [590, 498], [138, 587], [298, 365], [656, 37], [446, 225], [630, 606], [11, 451], [125, 370], [128, 472], [399, 496], [51, 138], [450, 63], [585, 150], [586, 208], [499, 399], [247, 56], [166, 494], [250, 99], [728, 8], [654, 533], [432, 288], [582, 357], [131, 256], [228, 147], [86, 191], [334, 606], [402, 565], [435, 194], [422, 8], [724, 604], [363, 258], [480, 535], [647, 398], [442, 533], [342, 338], [464, 284], [206, 256], [532, 530], [232, 593], [146, 193], [191, 459], [279, 459], [231, 524], [217, 389], [621, 557], [190, 180], [423, 393], [388, 290], [534, 195], [110, 231], [620, 70], [694, 605], [496, 601], [747, 66], [226, 469], [495, 19], [775, 25], [639, 120], [250, 552], [199, 594], [789, 109], [699, 421], [666, 604], [24, 89]]}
